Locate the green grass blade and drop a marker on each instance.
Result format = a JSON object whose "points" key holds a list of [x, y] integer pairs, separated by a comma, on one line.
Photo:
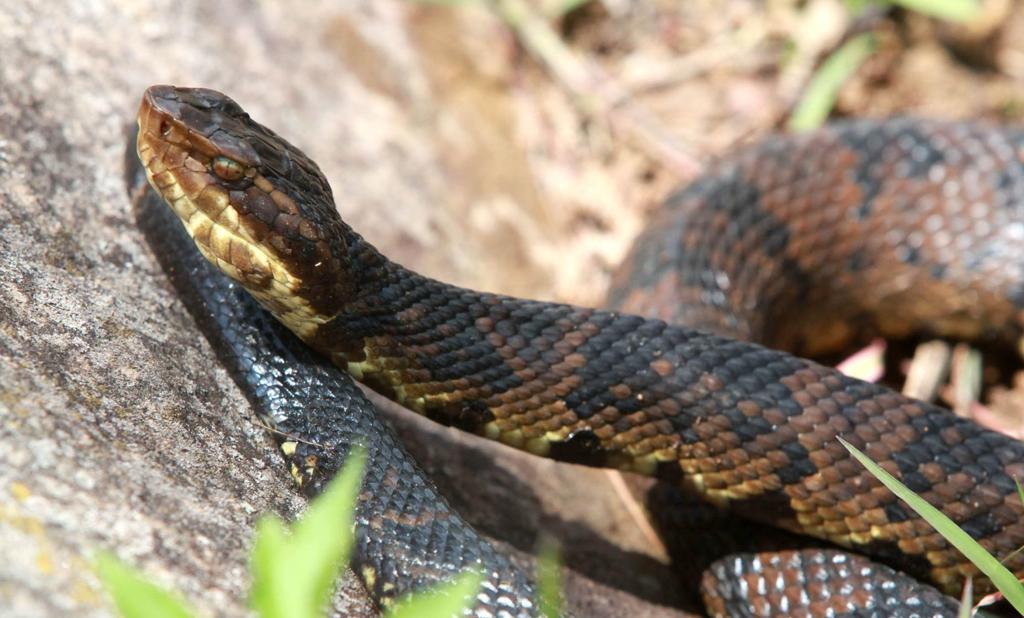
{"points": [[330, 516], [952, 10], [274, 594], [1001, 577], [966, 599], [294, 575], [134, 595], [445, 601], [823, 89], [549, 580]]}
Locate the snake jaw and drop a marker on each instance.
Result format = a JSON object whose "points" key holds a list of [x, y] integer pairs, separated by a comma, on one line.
{"points": [[248, 223], [205, 210]]}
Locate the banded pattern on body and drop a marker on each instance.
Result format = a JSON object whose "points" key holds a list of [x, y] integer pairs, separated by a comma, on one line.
{"points": [[748, 428]]}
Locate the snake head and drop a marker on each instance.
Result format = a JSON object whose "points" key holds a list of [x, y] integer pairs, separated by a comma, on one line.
{"points": [[257, 207]]}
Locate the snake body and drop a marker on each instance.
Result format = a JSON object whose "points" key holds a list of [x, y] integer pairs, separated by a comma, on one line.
{"points": [[747, 428], [407, 537], [899, 227]]}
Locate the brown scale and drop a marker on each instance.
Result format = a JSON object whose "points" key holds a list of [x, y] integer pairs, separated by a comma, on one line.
{"points": [[745, 427], [901, 269]]}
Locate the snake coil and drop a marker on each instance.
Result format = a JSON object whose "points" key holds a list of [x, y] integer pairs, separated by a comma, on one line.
{"points": [[749, 429]]}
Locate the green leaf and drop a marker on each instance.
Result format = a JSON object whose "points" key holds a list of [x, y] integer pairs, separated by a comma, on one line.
{"points": [[952, 10], [134, 595], [549, 580], [445, 601], [274, 593], [823, 89], [330, 516], [294, 575], [1001, 577]]}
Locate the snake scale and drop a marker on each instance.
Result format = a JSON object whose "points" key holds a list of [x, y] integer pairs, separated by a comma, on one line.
{"points": [[407, 538], [749, 429]]}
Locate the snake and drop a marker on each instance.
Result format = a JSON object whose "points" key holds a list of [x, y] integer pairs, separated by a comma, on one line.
{"points": [[690, 394], [407, 537]]}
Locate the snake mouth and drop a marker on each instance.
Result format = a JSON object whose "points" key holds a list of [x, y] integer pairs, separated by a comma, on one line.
{"points": [[197, 147], [178, 165]]}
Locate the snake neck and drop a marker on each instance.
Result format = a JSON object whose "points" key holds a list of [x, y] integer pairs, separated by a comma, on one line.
{"points": [[505, 368]]}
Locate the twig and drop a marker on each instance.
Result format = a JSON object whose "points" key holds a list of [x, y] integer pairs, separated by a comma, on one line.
{"points": [[292, 438], [928, 369], [866, 364], [594, 92], [635, 511], [966, 379]]}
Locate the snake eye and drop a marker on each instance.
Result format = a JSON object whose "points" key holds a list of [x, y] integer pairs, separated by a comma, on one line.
{"points": [[228, 169]]}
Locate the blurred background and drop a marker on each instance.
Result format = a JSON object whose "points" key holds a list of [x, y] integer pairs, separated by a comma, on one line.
{"points": [[508, 145]]}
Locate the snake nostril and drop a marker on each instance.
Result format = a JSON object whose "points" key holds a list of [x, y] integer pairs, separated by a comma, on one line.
{"points": [[165, 128]]}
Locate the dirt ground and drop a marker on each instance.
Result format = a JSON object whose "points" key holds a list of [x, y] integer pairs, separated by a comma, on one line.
{"points": [[705, 76]]}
